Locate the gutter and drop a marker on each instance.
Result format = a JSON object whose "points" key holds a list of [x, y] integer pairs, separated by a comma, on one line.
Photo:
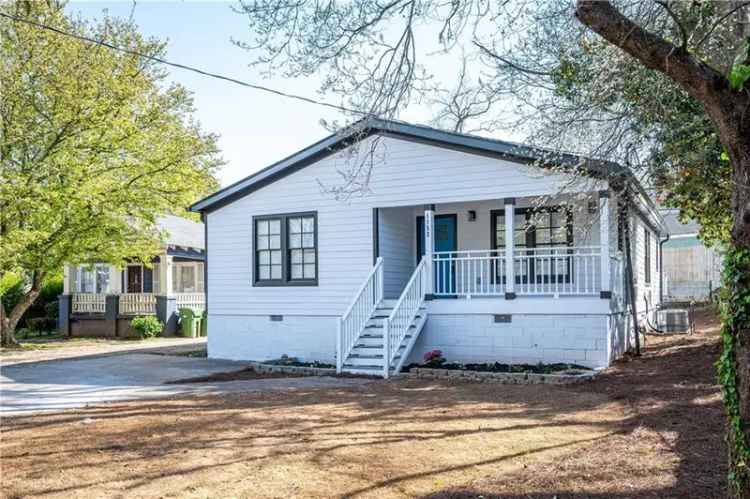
{"points": [[661, 268]]}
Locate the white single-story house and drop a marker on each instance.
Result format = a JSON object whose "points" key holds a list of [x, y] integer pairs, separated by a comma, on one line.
{"points": [[96, 292], [457, 242]]}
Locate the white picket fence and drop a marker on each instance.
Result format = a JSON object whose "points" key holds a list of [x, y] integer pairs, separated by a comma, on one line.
{"points": [[137, 304], [89, 303]]}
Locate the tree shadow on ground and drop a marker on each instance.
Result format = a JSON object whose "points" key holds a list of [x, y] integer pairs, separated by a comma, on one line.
{"points": [[663, 408]]}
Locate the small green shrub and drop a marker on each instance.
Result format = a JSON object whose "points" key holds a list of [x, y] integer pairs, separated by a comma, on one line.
{"points": [[147, 326]]}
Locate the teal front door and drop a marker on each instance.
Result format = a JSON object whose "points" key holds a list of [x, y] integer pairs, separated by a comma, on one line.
{"points": [[446, 240]]}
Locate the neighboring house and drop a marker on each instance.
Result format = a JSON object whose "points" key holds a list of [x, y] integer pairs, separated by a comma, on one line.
{"points": [[692, 271], [435, 254], [99, 299]]}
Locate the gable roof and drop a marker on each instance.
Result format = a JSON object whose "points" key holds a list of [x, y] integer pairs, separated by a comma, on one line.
{"points": [[406, 131]]}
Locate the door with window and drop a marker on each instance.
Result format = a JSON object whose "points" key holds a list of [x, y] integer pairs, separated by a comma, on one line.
{"points": [[540, 237], [134, 279], [446, 240]]}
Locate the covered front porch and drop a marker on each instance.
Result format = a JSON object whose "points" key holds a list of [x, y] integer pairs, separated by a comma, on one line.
{"points": [[172, 280], [552, 246]]}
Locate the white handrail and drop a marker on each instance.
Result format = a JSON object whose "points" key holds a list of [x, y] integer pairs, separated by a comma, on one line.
{"points": [[397, 324], [352, 323]]}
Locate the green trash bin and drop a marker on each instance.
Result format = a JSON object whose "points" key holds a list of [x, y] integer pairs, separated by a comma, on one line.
{"points": [[204, 323], [188, 323]]}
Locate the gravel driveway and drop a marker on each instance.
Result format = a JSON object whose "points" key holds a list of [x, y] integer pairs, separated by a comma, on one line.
{"points": [[65, 383]]}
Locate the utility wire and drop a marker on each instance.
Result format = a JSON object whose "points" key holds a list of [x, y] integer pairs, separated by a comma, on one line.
{"points": [[183, 66]]}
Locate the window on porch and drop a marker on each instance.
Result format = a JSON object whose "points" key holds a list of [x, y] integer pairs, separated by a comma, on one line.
{"points": [[540, 231], [93, 279], [187, 277]]}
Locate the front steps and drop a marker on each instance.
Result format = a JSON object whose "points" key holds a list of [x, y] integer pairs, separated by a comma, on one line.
{"points": [[366, 357]]}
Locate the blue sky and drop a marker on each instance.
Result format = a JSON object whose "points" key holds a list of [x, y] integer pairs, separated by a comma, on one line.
{"points": [[256, 128]]}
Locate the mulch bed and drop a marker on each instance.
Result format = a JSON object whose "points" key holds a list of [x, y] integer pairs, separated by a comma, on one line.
{"points": [[247, 373]]}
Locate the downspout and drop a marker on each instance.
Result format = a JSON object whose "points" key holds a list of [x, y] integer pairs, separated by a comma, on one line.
{"points": [[661, 269]]}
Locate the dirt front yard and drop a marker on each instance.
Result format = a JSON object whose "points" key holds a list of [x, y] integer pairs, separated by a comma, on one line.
{"points": [[650, 427]]}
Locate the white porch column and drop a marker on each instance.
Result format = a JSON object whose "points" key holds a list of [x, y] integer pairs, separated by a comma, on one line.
{"points": [[166, 267], [606, 292], [115, 280], [429, 246], [66, 279], [510, 270]]}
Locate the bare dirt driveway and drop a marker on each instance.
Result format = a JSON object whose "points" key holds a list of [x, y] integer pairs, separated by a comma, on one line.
{"points": [[650, 427]]}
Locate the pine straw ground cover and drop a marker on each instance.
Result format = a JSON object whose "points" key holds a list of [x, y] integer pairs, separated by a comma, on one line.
{"points": [[651, 427]]}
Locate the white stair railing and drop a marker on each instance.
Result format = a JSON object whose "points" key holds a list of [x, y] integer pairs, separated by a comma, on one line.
{"points": [[397, 324], [354, 320]]}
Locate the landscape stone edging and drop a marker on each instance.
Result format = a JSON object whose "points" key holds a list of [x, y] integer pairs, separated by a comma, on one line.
{"points": [[306, 371], [503, 378]]}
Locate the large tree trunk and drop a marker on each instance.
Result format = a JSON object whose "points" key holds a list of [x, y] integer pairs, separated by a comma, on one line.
{"points": [[730, 112], [738, 313], [9, 323]]}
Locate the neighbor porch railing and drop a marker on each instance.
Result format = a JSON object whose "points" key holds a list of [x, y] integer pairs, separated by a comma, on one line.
{"points": [[355, 318], [137, 304], [89, 303], [397, 324], [195, 301]]}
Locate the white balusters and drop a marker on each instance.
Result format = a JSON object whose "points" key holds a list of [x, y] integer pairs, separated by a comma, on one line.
{"points": [[89, 303], [195, 301], [354, 320], [397, 325], [137, 304], [469, 273]]}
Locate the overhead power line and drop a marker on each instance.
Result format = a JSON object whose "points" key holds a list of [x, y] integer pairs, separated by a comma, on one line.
{"points": [[193, 69]]}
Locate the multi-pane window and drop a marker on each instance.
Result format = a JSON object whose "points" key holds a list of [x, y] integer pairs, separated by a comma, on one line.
{"points": [[93, 279], [268, 249], [286, 250], [647, 255], [536, 232], [301, 247]]}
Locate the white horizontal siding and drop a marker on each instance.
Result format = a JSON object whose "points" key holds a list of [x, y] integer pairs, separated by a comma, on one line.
{"points": [[396, 240], [412, 174]]}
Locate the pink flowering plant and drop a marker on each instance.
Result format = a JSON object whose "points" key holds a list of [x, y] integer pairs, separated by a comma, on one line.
{"points": [[434, 358]]}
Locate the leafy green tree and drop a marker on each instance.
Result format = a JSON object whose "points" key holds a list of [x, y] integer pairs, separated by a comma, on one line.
{"points": [[661, 86], [95, 145]]}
